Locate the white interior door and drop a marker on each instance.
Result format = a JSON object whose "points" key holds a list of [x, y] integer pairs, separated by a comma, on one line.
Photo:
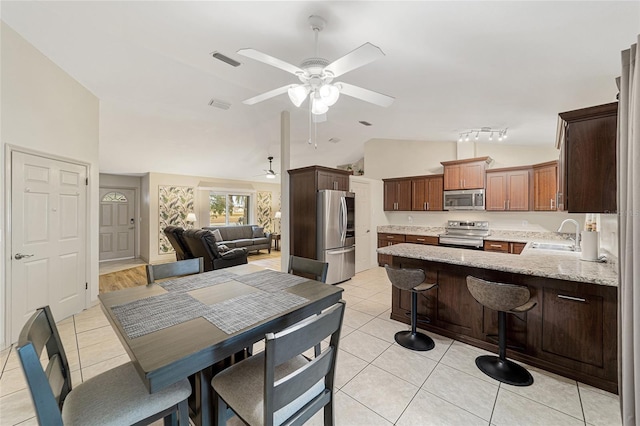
{"points": [[48, 237], [117, 223], [363, 224]]}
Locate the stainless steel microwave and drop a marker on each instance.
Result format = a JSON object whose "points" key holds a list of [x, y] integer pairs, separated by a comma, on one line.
{"points": [[468, 199]]}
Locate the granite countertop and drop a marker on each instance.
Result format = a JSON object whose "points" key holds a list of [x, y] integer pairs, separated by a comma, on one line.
{"points": [[494, 235], [536, 262]]}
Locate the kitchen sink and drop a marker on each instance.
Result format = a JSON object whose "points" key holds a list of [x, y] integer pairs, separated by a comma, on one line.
{"points": [[553, 246]]}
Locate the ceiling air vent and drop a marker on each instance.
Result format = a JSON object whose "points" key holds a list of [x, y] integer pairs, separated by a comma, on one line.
{"points": [[364, 123], [224, 58], [219, 104], [334, 140]]}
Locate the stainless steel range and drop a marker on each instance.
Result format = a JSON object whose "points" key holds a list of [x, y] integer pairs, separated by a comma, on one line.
{"points": [[465, 234]]}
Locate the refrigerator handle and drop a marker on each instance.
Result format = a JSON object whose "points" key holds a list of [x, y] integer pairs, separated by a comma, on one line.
{"points": [[343, 208], [347, 250]]}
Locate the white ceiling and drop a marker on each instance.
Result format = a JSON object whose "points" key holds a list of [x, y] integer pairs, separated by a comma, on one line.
{"points": [[451, 66]]}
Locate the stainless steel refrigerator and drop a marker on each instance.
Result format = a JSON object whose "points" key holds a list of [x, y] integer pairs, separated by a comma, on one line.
{"points": [[336, 233]]}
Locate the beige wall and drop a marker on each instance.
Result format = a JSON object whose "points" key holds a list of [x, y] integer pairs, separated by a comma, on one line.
{"points": [[202, 186], [45, 110], [387, 158]]}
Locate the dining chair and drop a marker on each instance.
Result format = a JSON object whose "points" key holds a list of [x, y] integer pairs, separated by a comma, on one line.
{"points": [[302, 265], [115, 397], [280, 385], [174, 269]]}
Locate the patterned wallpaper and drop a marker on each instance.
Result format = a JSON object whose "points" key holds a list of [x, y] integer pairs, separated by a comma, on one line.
{"points": [[174, 203], [265, 213]]}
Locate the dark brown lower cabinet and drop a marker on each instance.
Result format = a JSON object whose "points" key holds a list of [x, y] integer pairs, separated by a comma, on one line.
{"points": [[572, 330]]}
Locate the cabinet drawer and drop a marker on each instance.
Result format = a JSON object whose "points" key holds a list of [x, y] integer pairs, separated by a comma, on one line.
{"points": [[422, 239], [397, 238], [499, 246]]}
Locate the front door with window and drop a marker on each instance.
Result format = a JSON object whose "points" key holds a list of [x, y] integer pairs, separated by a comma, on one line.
{"points": [[117, 223]]}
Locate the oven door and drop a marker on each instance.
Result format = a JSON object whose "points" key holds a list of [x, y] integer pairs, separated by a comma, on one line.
{"points": [[462, 242]]}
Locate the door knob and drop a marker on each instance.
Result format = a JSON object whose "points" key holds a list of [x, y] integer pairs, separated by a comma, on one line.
{"points": [[19, 256]]}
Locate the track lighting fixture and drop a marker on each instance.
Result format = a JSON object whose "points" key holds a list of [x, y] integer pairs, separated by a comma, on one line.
{"points": [[464, 136]]}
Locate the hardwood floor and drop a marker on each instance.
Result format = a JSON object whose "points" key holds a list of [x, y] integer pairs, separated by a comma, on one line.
{"points": [[137, 276]]}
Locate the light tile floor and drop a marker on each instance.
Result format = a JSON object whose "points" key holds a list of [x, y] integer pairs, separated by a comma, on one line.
{"points": [[378, 382]]}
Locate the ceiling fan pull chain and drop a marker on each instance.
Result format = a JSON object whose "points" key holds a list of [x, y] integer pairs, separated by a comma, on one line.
{"points": [[315, 136], [309, 142]]}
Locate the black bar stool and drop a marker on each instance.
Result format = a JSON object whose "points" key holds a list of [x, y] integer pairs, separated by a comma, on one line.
{"points": [[411, 280], [502, 298]]}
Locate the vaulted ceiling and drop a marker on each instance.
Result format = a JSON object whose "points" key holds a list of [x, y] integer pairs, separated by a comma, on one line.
{"points": [[451, 66]]}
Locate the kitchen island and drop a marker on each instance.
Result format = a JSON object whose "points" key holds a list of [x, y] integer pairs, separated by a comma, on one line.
{"points": [[572, 330]]}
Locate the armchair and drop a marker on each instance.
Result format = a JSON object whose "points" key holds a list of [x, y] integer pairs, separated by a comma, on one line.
{"points": [[203, 244]]}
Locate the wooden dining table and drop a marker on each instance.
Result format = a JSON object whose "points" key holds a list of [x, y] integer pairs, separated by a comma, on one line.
{"points": [[182, 327]]}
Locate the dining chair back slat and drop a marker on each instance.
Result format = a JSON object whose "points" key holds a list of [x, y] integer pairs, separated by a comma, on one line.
{"points": [[174, 269], [305, 267]]}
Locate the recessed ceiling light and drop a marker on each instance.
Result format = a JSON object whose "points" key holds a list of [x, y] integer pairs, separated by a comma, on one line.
{"points": [[224, 58], [364, 123], [219, 104]]}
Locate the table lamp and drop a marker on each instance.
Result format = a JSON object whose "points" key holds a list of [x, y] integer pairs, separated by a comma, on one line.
{"points": [[191, 218]]}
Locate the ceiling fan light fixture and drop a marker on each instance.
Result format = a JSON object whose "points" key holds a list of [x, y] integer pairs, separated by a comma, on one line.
{"points": [[298, 94], [318, 107], [329, 94], [270, 176]]}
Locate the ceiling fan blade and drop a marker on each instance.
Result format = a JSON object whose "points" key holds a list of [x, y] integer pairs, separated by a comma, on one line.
{"points": [[365, 94], [270, 60], [267, 95], [356, 58]]}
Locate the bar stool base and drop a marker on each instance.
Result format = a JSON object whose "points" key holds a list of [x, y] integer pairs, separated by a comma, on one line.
{"points": [[416, 342], [504, 370]]}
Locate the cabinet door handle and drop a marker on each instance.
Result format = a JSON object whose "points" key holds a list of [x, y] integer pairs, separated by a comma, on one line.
{"points": [[575, 299], [427, 205], [507, 204], [419, 239], [424, 206], [496, 245], [390, 237], [551, 203]]}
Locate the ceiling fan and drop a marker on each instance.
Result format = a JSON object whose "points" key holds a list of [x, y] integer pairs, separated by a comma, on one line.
{"points": [[317, 75], [270, 174]]}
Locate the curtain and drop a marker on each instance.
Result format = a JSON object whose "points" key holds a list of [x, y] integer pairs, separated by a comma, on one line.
{"points": [[629, 234]]}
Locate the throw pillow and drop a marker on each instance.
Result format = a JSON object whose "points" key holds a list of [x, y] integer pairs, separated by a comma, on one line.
{"points": [[217, 235], [258, 232], [222, 248]]}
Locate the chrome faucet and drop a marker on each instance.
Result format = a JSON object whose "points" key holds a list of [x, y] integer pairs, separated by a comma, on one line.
{"points": [[577, 239]]}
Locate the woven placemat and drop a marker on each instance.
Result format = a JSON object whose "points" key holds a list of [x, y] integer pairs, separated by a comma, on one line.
{"points": [[194, 282], [243, 311], [155, 313], [270, 281]]}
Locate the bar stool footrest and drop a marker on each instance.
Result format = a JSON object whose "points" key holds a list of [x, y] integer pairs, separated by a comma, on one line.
{"points": [[504, 370], [416, 342]]}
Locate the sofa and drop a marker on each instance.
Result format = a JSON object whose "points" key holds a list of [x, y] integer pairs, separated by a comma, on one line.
{"points": [[250, 237], [202, 244]]}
